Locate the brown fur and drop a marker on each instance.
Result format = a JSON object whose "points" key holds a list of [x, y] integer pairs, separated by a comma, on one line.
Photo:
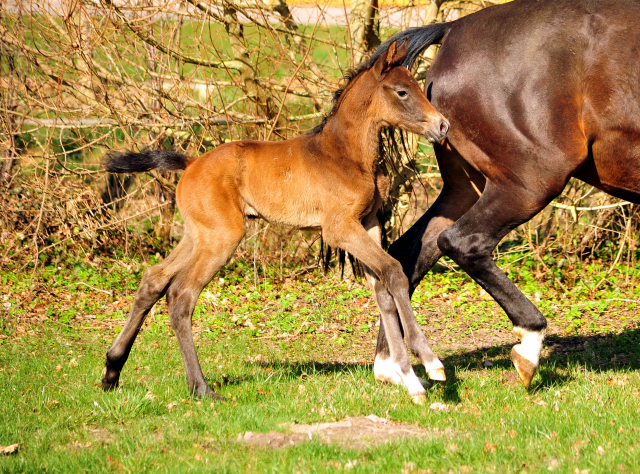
{"points": [[328, 180]]}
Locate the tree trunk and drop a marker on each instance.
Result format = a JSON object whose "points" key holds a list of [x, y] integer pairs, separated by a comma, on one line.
{"points": [[364, 28], [248, 73], [8, 118]]}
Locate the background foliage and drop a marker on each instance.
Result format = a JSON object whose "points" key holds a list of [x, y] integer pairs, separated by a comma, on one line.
{"points": [[80, 77]]}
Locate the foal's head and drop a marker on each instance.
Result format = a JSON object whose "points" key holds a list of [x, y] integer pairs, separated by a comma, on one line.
{"points": [[397, 99]]}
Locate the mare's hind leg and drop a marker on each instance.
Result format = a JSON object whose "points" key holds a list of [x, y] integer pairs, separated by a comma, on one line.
{"points": [[470, 243], [417, 249], [212, 250], [154, 283]]}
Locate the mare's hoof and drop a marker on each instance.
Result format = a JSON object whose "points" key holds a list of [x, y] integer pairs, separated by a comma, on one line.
{"points": [[108, 386], [419, 399], [526, 370], [437, 374]]}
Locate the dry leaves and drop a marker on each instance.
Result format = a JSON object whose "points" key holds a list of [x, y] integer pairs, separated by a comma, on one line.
{"points": [[616, 382], [490, 447], [11, 449], [439, 406]]}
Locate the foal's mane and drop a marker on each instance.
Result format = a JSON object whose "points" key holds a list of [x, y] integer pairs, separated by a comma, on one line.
{"points": [[350, 76]]}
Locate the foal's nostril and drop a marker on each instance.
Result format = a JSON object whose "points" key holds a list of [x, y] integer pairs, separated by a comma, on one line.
{"points": [[444, 127]]}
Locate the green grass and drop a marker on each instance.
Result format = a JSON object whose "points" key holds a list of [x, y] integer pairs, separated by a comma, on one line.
{"points": [[300, 352]]}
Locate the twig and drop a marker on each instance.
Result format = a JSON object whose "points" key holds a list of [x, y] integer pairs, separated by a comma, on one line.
{"points": [[110, 293]]}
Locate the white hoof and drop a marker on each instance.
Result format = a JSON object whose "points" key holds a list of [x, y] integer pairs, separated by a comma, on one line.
{"points": [[419, 399], [530, 345], [526, 355], [438, 375], [435, 370], [385, 370]]}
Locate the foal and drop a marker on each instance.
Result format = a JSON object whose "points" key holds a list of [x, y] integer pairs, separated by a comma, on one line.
{"points": [[328, 179]]}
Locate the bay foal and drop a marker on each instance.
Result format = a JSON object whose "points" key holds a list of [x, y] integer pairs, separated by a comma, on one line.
{"points": [[328, 179]]}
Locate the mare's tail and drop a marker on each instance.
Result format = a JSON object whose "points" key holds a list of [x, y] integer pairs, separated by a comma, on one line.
{"points": [[138, 162], [419, 38]]}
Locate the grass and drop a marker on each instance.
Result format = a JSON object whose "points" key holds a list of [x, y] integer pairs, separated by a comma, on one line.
{"points": [[299, 351]]}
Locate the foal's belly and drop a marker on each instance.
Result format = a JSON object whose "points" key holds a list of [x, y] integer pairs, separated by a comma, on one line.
{"points": [[291, 214]]}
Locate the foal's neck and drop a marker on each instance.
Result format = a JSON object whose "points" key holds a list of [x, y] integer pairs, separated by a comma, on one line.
{"points": [[355, 132]]}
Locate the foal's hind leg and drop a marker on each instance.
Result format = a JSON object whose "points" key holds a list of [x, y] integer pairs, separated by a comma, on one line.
{"points": [[212, 250], [152, 287]]}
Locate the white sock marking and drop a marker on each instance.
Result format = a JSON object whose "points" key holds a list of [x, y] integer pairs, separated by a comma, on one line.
{"points": [[531, 344], [385, 370]]}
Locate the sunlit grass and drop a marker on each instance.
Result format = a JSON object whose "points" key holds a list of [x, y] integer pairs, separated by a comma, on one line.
{"points": [[581, 413]]}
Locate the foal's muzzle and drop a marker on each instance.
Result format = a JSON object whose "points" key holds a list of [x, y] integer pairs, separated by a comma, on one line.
{"points": [[439, 132]]}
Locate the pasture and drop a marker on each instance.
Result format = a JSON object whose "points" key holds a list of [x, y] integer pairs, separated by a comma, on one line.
{"points": [[297, 349], [289, 346]]}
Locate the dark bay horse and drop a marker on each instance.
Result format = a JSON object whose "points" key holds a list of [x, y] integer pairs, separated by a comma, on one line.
{"points": [[536, 92], [328, 179]]}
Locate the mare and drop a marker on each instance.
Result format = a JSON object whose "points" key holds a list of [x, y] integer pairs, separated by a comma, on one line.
{"points": [[536, 92], [328, 179]]}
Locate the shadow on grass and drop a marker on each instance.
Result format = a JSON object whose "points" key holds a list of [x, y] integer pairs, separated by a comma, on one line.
{"points": [[596, 353]]}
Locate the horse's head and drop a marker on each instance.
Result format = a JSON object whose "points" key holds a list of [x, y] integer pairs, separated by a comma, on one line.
{"points": [[399, 101]]}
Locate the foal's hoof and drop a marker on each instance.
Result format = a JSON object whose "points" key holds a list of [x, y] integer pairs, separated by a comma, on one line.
{"points": [[437, 374], [419, 399], [526, 370], [209, 393], [110, 382]]}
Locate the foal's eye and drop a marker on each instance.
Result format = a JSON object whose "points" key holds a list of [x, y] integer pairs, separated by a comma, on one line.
{"points": [[402, 93]]}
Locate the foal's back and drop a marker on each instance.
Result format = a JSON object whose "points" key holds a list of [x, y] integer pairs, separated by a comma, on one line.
{"points": [[293, 182]]}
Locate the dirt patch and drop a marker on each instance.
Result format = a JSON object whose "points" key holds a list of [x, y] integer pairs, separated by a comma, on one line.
{"points": [[352, 432]]}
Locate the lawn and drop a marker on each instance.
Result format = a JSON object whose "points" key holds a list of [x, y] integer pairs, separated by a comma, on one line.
{"points": [[297, 349]]}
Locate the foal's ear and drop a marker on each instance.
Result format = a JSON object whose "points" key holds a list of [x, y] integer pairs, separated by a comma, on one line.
{"points": [[381, 64], [391, 58], [399, 54]]}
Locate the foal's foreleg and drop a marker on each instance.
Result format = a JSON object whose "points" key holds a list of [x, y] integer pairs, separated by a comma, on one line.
{"points": [[417, 249], [392, 367], [154, 283], [386, 366], [353, 238]]}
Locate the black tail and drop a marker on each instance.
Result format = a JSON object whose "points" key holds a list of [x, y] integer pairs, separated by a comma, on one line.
{"points": [[132, 162], [419, 38]]}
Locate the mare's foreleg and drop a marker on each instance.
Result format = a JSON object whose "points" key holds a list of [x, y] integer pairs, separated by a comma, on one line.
{"points": [[153, 286], [470, 243]]}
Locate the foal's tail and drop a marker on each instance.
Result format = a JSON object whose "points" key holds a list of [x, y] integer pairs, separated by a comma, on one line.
{"points": [[419, 38], [139, 162]]}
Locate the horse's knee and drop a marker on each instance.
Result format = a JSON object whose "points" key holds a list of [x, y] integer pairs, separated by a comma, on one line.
{"points": [[153, 284], [383, 298], [395, 278], [180, 304], [471, 252]]}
